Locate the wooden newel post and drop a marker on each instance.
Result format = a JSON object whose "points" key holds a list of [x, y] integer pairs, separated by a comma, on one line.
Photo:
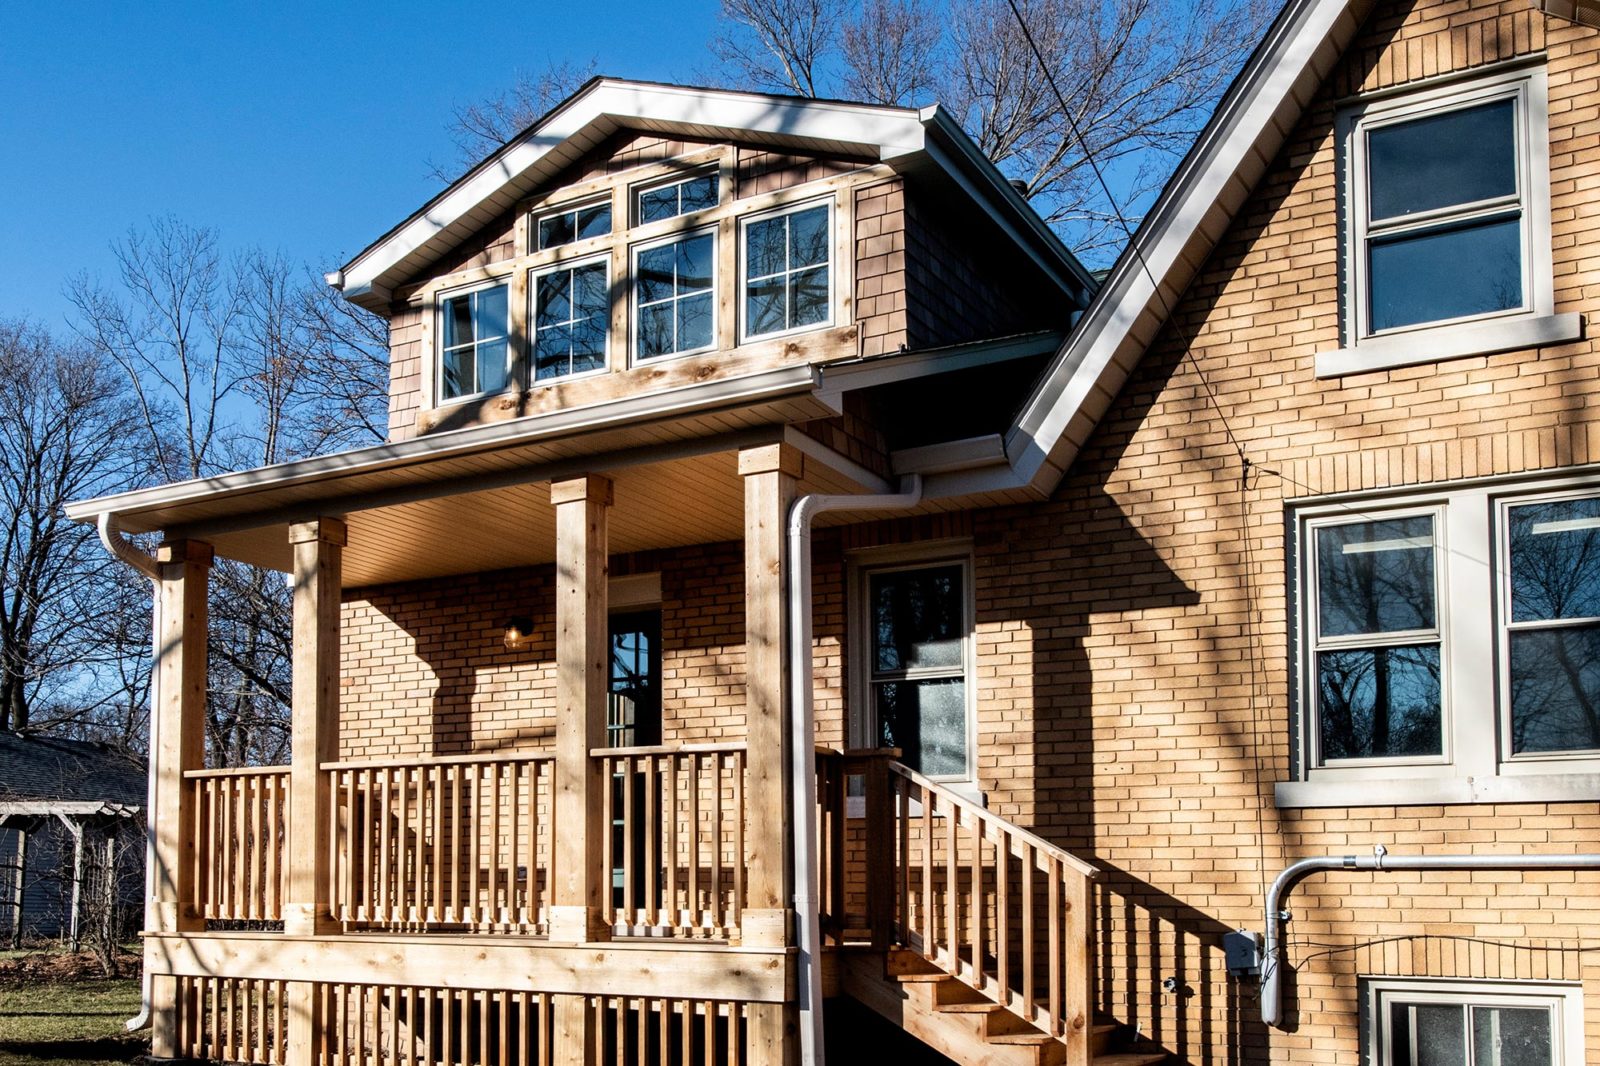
{"points": [[771, 475], [180, 745], [580, 885]]}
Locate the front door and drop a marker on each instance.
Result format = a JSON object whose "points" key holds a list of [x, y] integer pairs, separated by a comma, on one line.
{"points": [[633, 720]]}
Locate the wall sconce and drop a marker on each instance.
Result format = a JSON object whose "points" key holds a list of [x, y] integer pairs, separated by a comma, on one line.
{"points": [[519, 634]]}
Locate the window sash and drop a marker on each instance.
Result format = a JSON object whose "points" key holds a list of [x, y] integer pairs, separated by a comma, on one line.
{"points": [[573, 318], [1387, 1047], [573, 212], [676, 186], [787, 273], [475, 344], [675, 299], [1364, 231]]}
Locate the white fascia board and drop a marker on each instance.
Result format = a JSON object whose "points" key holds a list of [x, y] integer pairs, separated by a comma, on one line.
{"points": [[682, 401], [608, 105], [1250, 123]]}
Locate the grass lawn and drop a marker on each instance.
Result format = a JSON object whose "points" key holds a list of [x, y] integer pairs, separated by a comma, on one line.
{"points": [[72, 1023]]}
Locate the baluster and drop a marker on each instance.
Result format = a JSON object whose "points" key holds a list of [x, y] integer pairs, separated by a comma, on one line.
{"points": [[629, 910], [515, 910], [975, 920], [1053, 871], [1002, 910], [652, 838], [608, 850], [1027, 928], [669, 847]]}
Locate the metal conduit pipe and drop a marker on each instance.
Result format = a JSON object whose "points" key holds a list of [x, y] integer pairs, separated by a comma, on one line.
{"points": [[1379, 861], [803, 766], [117, 543]]}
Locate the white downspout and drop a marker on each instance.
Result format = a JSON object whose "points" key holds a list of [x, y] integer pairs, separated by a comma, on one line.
{"points": [[117, 543], [803, 768]]}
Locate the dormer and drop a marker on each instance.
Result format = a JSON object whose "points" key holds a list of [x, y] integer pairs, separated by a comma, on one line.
{"points": [[644, 238]]}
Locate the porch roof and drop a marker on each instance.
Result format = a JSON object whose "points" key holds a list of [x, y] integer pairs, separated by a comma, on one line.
{"points": [[478, 499]]}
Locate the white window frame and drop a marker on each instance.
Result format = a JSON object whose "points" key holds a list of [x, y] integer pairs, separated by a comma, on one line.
{"points": [[1533, 324], [1471, 568], [637, 192], [571, 208], [1563, 1000], [744, 265], [1504, 627], [863, 721], [604, 259], [1311, 625], [440, 300], [635, 357]]}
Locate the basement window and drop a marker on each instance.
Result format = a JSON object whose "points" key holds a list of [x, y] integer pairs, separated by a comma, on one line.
{"points": [[1449, 645], [1473, 1023]]}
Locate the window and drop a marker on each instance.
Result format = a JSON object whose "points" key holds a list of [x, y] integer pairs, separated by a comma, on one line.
{"points": [[786, 276], [1449, 645], [1446, 242], [1551, 640], [673, 300], [574, 224], [1377, 658], [571, 310], [1473, 1023], [914, 689], [676, 198], [474, 357]]}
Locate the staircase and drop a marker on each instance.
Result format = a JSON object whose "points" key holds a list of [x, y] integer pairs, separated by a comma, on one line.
{"points": [[976, 934]]}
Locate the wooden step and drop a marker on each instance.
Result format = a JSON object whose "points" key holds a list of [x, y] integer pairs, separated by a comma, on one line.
{"points": [[1131, 1058]]}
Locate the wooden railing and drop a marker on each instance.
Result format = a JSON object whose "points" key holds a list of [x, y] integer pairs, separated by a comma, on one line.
{"points": [[231, 1019], [675, 845], [455, 842], [241, 821], [994, 905]]}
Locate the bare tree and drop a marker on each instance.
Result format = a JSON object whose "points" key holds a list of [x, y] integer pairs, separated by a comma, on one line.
{"points": [[1139, 78], [786, 45], [347, 369], [64, 430], [479, 128]]}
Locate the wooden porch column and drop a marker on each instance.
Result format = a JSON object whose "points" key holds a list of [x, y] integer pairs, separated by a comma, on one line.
{"points": [[318, 574], [180, 745], [314, 722], [578, 895], [771, 473], [185, 574]]}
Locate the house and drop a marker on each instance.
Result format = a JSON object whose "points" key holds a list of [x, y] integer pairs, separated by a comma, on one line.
{"points": [[761, 464], [71, 839]]}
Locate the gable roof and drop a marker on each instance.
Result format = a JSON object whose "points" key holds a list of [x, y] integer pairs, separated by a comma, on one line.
{"points": [[54, 768], [901, 137], [1194, 211]]}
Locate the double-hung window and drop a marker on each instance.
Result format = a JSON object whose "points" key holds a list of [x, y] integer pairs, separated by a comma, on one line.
{"points": [[1446, 242], [914, 691], [674, 297], [1414, 1022], [474, 356], [1449, 645], [571, 310], [787, 280]]}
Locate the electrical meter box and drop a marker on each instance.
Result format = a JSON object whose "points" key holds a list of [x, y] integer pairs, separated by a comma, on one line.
{"points": [[1242, 950]]}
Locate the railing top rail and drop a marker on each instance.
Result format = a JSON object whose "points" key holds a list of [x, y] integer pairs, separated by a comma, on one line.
{"points": [[998, 823], [441, 760], [673, 749], [236, 771]]}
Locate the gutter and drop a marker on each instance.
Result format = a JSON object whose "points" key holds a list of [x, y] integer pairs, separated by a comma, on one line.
{"points": [[807, 888], [1380, 861], [117, 543]]}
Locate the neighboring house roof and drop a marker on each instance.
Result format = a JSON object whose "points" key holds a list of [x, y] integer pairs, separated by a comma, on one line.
{"points": [[72, 771], [900, 137], [1193, 213]]}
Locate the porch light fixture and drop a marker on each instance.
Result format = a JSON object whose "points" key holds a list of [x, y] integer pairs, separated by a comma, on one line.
{"points": [[519, 634]]}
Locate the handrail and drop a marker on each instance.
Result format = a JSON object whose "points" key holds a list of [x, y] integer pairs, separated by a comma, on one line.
{"points": [[1000, 825], [671, 749], [234, 771], [438, 760]]}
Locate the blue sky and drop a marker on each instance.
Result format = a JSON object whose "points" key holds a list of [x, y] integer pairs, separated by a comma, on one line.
{"points": [[297, 126]]}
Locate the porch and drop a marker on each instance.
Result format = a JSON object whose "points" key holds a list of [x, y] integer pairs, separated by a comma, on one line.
{"points": [[574, 896]]}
